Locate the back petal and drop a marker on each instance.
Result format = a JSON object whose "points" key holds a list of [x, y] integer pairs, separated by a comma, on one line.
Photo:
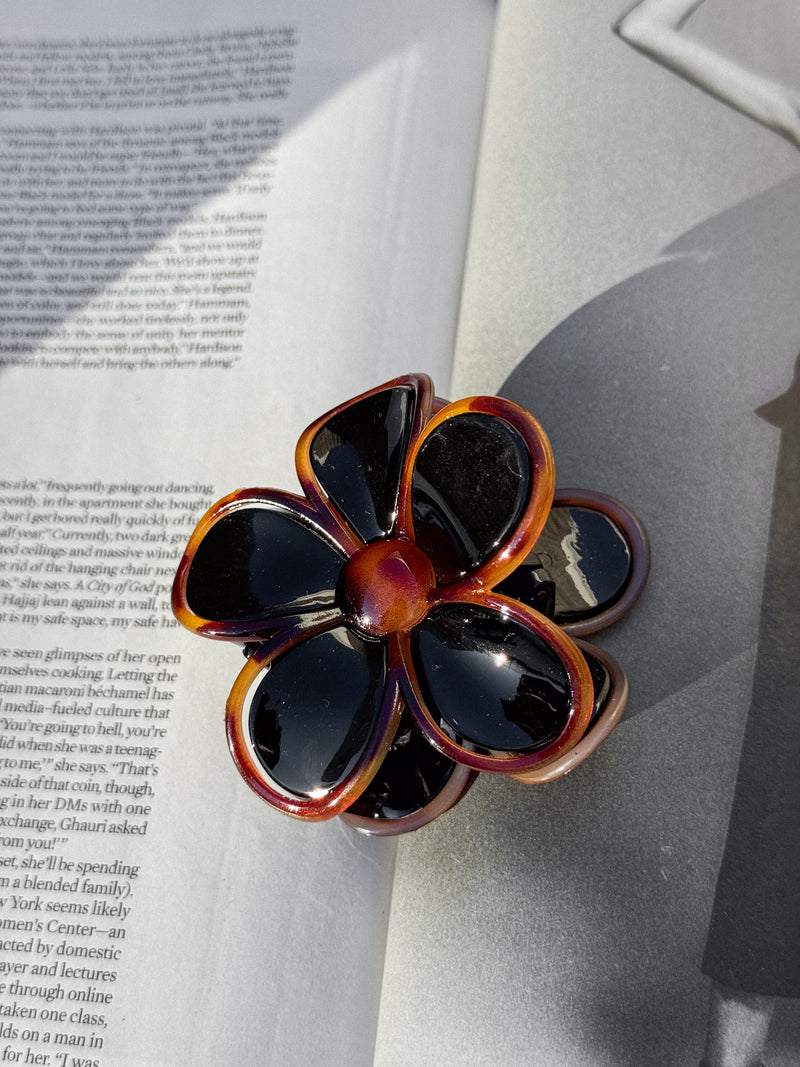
{"points": [[610, 699], [415, 784], [588, 565]]}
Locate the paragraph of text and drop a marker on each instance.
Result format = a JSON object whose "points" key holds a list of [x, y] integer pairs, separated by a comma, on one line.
{"points": [[231, 67], [108, 259], [93, 555]]}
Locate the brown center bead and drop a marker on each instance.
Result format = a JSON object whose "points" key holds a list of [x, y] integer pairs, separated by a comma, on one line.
{"points": [[385, 586]]}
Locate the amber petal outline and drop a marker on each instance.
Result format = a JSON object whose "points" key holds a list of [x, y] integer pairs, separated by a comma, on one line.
{"points": [[580, 682], [608, 718], [335, 800], [518, 544], [456, 787], [423, 388], [638, 543], [249, 629]]}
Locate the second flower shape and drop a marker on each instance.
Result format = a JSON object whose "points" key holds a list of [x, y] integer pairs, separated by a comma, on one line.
{"points": [[371, 605]]}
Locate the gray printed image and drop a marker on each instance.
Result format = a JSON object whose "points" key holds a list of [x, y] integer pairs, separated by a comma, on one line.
{"points": [[633, 281]]}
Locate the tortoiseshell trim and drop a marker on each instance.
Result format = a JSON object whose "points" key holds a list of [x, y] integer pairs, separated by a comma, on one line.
{"points": [[320, 521], [608, 718], [457, 786], [508, 555], [549, 771], [577, 670], [423, 406], [333, 801], [321, 514], [639, 546]]}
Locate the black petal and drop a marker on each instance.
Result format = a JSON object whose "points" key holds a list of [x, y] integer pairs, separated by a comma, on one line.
{"points": [[314, 711], [413, 772], [470, 486], [259, 562], [357, 458], [489, 681], [583, 557]]}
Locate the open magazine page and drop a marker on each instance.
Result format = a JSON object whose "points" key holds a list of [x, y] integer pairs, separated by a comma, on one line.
{"points": [[218, 222], [633, 280]]}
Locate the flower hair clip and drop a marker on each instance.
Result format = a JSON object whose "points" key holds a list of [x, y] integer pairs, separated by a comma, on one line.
{"points": [[415, 617]]}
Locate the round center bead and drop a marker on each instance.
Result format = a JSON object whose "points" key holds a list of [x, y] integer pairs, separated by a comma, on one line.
{"points": [[384, 587]]}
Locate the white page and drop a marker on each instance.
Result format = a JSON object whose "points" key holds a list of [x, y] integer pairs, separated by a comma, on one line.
{"points": [[183, 294]]}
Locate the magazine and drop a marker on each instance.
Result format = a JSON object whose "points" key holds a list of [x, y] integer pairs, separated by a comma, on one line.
{"points": [[219, 224], [633, 279]]}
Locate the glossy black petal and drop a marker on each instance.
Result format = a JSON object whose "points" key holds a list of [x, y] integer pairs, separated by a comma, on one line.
{"points": [[411, 775], [583, 556], [258, 562], [470, 486], [313, 713], [488, 681], [601, 680], [357, 458]]}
